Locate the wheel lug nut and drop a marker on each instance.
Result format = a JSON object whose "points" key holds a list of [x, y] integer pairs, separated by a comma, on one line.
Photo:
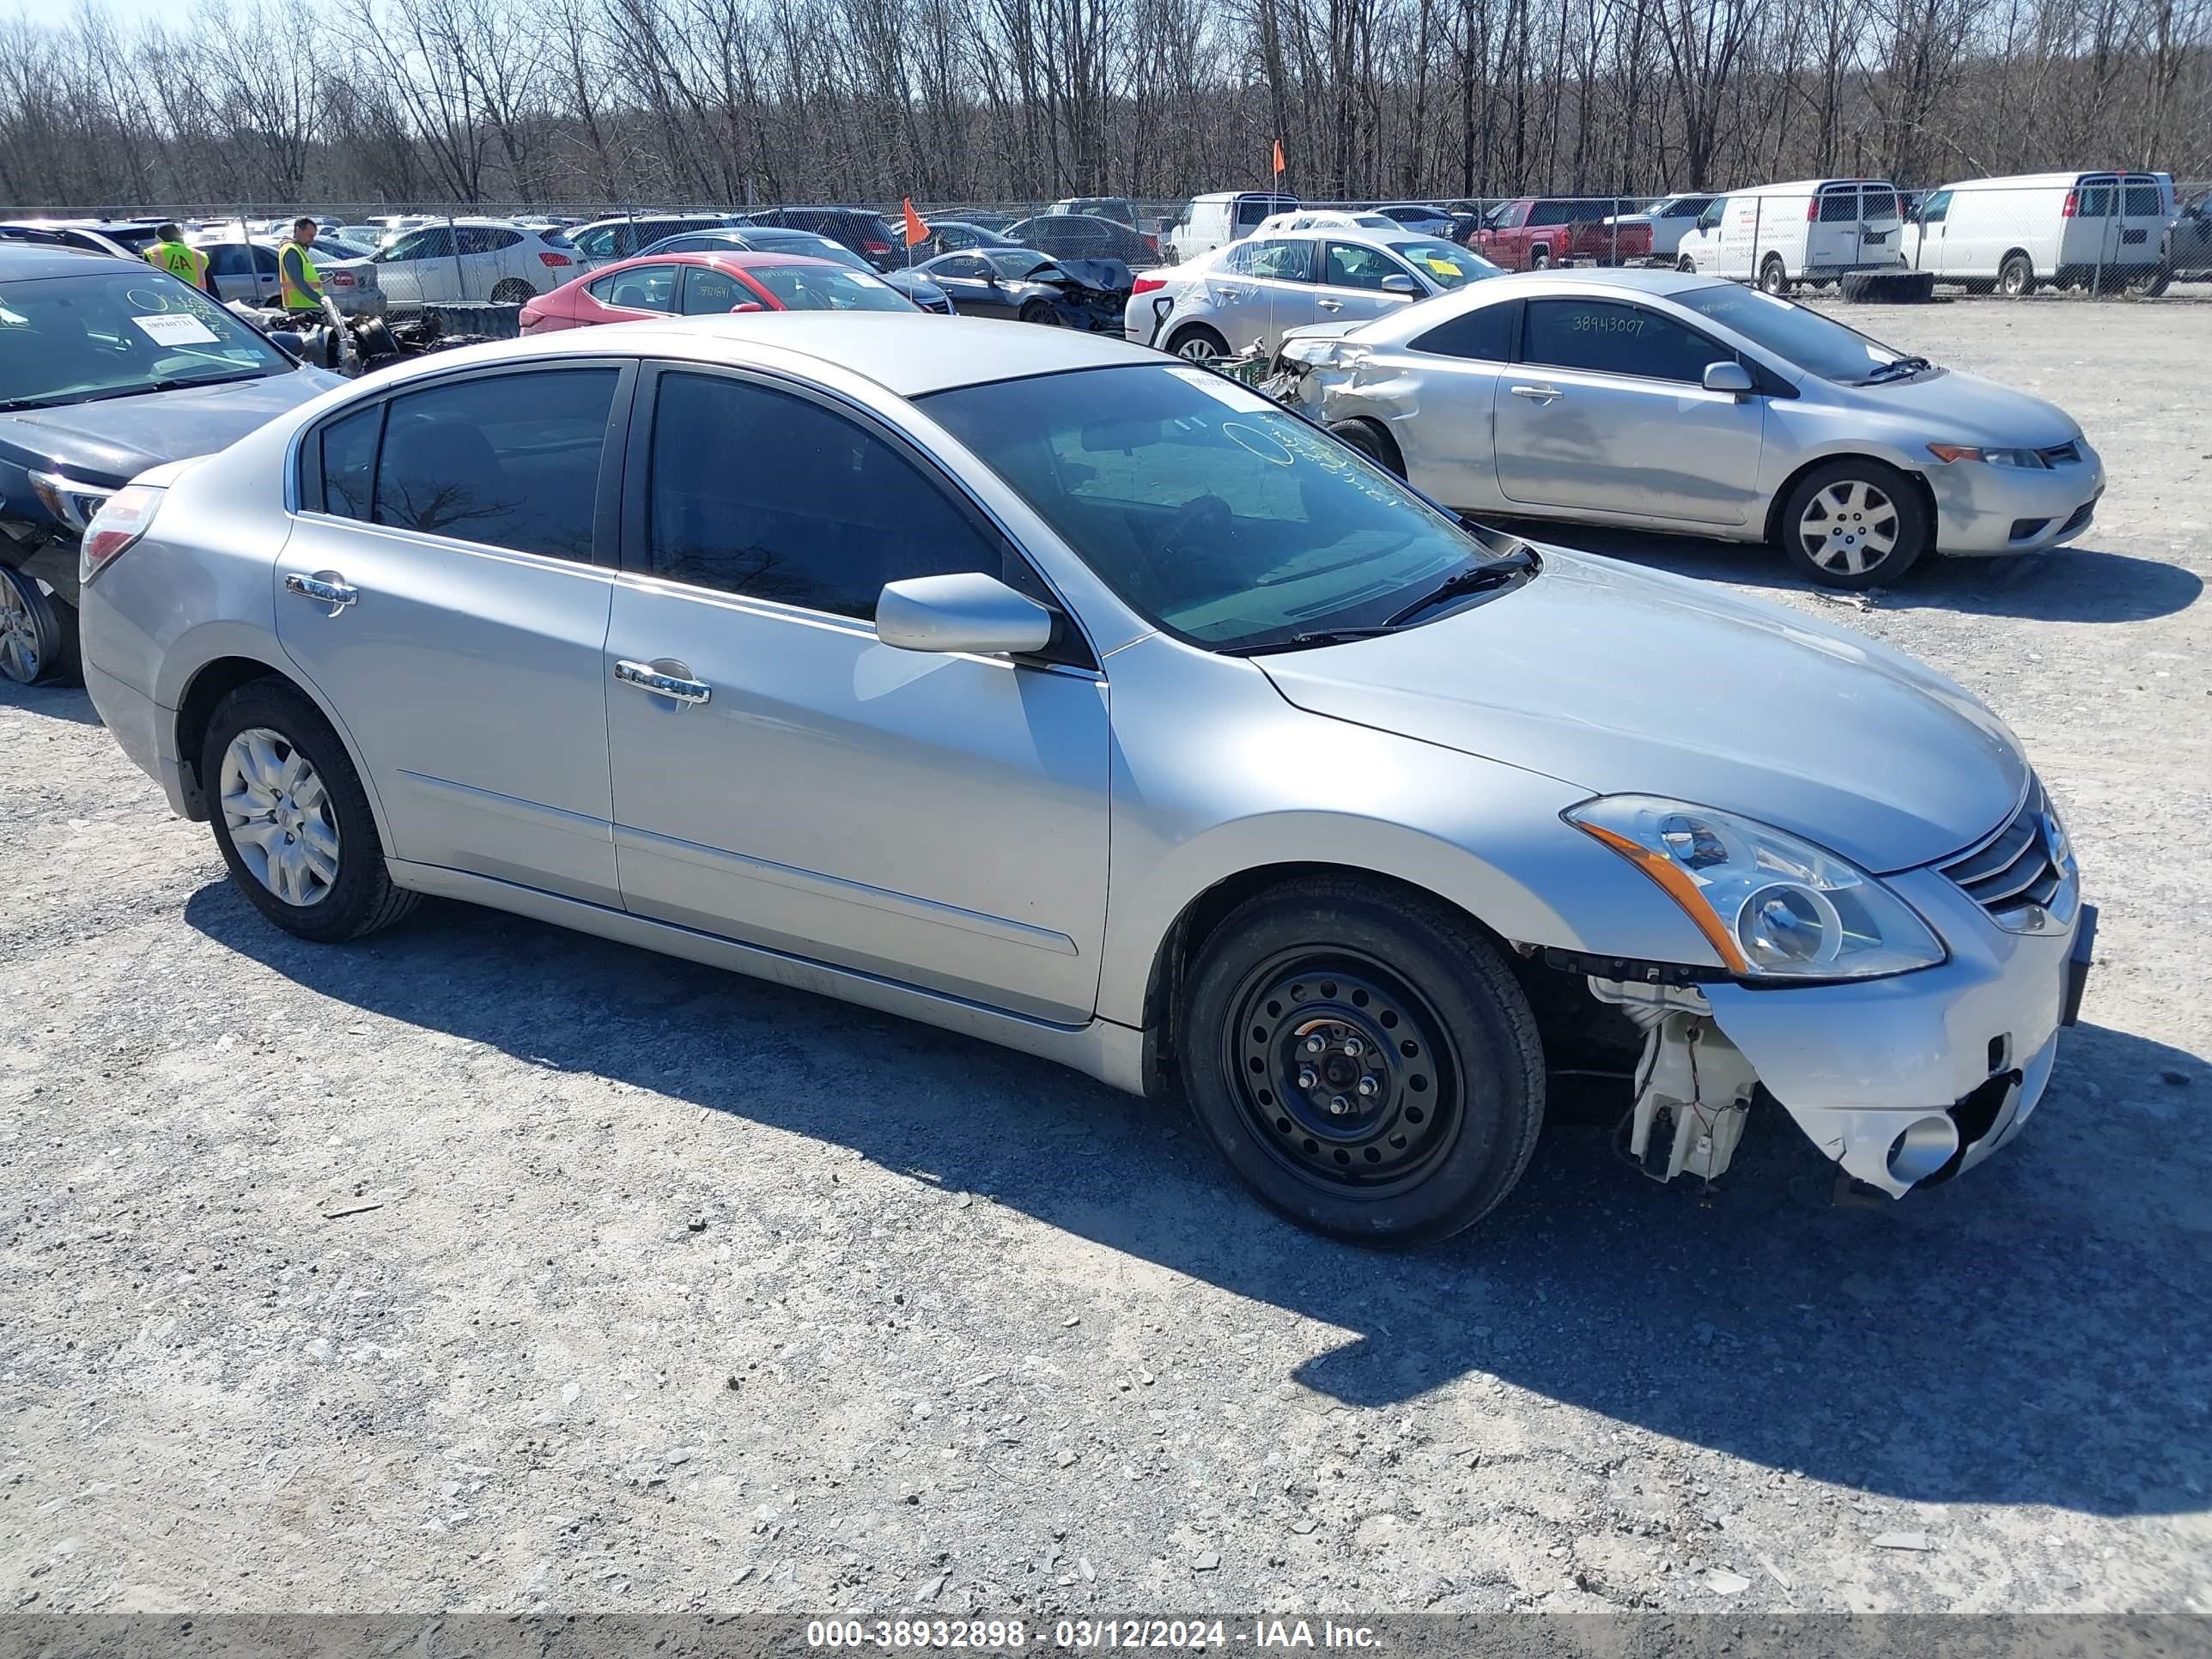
{"points": [[1315, 1045], [1338, 1105], [1368, 1086], [1308, 1076], [1354, 1047]]}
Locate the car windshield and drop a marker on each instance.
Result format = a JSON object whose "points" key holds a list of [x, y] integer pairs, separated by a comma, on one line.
{"points": [[827, 288], [72, 339], [1018, 264], [1213, 513], [815, 248], [1443, 264], [1803, 337]]}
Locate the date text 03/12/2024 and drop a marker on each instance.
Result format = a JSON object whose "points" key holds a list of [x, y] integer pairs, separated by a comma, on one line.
{"points": [[1014, 1635]]}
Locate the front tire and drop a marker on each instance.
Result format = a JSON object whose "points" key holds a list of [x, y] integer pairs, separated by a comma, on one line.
{"points": [[1686, 266], [1855, 524], [1363, 1059], [1040, 313], [38, 632], [1774, 277], [1371, 440], [292, 819]]}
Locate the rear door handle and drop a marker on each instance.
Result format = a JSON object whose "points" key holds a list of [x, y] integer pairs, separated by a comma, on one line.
{"points": [[645, 677], [1542, 394], [330, 588]]}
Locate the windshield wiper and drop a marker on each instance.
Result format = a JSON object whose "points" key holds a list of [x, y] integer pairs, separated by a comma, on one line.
{"points": [[1893, 370], [1318, 636], [33, 403], [1523, 561]]}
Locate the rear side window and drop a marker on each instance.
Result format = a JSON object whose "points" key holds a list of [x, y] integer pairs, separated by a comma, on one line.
{"points": [[1484, 334], [508, 461], [1840, 206], [761, 493], [1613, 338], [1251, 213], [350, 461], [641, 288], [709, 292]]}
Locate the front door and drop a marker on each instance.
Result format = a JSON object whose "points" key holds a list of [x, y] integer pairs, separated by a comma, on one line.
{"points": [[939, 820], [1351, 288], [969, 278], [443, 589], [1924, 237], [1606, 411]]}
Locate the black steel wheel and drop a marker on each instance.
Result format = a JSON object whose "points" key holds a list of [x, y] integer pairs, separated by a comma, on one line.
{"points": [[1362, 1058]]}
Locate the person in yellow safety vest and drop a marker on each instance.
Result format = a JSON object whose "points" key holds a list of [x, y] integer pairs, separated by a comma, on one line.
{"points": [[186, 263], [299, 284]]}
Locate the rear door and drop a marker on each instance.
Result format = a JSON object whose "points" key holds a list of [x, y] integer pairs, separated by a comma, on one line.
{"points": [[1606, 411], [467, 529], [1881, 226], [2145, 206], [1832, 234], [1262, 289]]}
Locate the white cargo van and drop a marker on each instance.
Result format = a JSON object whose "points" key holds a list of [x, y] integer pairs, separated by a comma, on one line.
{"points": [[2074, 229], [1812, 231], [1225, 217]]}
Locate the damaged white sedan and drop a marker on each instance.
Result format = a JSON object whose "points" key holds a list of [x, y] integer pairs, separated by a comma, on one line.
{"points": [[1043, 689]]}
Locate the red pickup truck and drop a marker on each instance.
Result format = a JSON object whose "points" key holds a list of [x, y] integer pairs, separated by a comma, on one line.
{"points": [[1552, 230]]}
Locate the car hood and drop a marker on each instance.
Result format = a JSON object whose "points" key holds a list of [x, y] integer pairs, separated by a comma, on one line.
{"points": [[1620, 680], [1965, 408], [111, 442]]}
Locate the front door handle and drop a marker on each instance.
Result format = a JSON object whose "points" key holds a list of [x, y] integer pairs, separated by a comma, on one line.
{"points": [[645, 677], [327, 587], [1542, 394], [1328, 305]]}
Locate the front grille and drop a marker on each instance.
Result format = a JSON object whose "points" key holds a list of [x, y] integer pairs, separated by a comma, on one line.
{"points": [[2022, 875], [2081, 516], [2064, 454]]}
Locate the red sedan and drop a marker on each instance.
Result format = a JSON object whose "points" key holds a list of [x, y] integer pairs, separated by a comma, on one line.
{"points": [[708, 284]]}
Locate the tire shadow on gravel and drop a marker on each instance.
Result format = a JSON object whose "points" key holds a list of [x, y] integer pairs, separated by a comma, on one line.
{"points": [[2036, 1333], [2070, 584]]}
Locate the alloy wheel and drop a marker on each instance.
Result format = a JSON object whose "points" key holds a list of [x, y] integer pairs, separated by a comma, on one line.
{"points": [[1342, 1071], [1850, 527], [279, 816], [20, 659], [1197, 350]]}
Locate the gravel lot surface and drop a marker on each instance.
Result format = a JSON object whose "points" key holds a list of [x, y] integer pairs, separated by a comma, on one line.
{"points": [[485, 1266]]}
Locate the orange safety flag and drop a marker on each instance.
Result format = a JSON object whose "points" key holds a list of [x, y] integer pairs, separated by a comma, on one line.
{"points": [[1279, 158], [915, 230]]}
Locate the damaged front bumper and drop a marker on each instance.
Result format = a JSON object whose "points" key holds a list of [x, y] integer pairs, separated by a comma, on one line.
{"points": [[1903, 1081]]}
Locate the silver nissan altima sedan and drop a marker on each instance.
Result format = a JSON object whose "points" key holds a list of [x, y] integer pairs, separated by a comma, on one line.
{"points": [[1046, 690], [1701, 407]]}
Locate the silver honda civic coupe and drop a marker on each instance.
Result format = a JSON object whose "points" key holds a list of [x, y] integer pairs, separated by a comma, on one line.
{"points": [[1044, 688], [1696, 406]]}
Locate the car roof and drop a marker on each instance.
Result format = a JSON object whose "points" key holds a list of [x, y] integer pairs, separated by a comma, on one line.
{"points": [[1806, 185], [2054, 180], [741, 258], [910, 353], [1664, 283], [26, 260]]}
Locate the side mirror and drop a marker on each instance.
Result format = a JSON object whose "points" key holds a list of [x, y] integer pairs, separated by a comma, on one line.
{"points": [[1728, 377], [1397, 282], [969, 611], [291, 340], [747, 305]]}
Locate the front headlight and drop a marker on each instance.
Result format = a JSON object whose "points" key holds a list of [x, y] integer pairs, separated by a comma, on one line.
{"points": [[2029, 458], [1771, 905]]}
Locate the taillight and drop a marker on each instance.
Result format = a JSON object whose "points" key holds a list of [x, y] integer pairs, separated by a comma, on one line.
{"points": [[2072, 201], [340, 279], [1146, 284], [875, 247], [554, 261], [1812, 209], [128, 515]]}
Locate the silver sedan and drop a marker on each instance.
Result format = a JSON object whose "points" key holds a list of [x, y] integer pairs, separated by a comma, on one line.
{"points": [[1042, 688], [1684, 403]]}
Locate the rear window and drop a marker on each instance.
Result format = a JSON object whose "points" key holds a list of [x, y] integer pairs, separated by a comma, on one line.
{"points": [[555, 239], [1880, 203], [2145, 201], [1840, 206]]}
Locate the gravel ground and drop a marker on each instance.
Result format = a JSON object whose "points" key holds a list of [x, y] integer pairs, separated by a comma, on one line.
{"points": [[483, 1266]]}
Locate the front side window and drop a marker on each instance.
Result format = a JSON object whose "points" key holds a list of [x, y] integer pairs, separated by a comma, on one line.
{"points": [[709, 292], [1211, 511], [1607, 336], [508, 461], [1795, 333], [1686, 207], [117, 333], [1353, 266], [1709, 217], [769, 495], [1935, 209]]}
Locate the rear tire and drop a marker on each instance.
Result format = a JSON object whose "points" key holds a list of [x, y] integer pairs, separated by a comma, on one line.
{"points": [[1774, 276], [1686, 266], [1854, 512], [1198, 344], [317, 826], [1372, 440], [1539, 258], [1419, 1112], [2155, 283], [38, 632], [2016, 276]]}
